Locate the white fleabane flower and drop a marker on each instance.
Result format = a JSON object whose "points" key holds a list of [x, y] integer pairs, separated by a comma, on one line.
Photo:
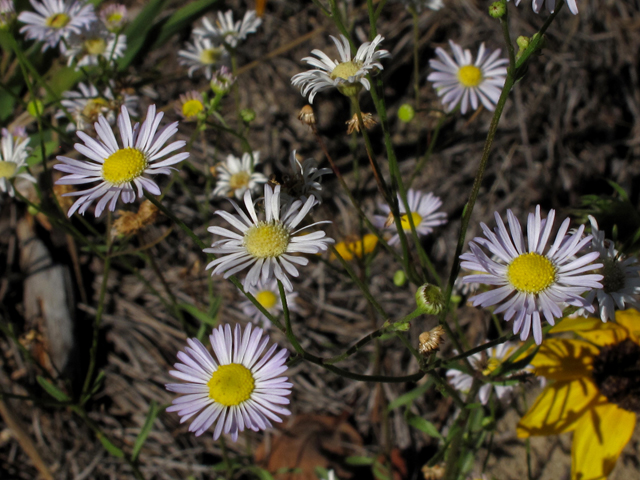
{"points": [[424, 212], [228, 32], [7, 13], [86, 104], [114, 16], [621, 282], [238, 388], [460, 80], [202, 53], [303, 180], [93, 42], [268, 246], [347, 74], [486, 362], [532, 280], [268, 295], [13, 155], [235, 176], [119, 169], [55, 19], [551, 5]]}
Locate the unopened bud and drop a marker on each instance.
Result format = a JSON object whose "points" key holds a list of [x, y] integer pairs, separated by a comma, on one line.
{"points": [[497, 9], [35, 108], [430, 341], [406, 113], [429, 299], [248, 115], [399, 278]]}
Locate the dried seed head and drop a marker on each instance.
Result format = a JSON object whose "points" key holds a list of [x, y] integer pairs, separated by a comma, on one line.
{"points": [[433, 473], [307, 116], [367, 120], [129, 223], [430, 341], [65, 202]]}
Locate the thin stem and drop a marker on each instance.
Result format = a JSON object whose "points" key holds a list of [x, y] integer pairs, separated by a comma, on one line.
{"points": [[423, 161], [504, 22], [175, 220]]}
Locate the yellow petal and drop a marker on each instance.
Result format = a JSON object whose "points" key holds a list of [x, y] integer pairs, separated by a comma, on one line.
{"points": [[559, 408], [630, 319], [561, 359], [594, 330], [343, 250], [598, 441]]}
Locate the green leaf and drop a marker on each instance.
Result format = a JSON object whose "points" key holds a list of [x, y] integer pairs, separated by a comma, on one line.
{"points": [[261, 473], [359, 461], [199, 314], [619, 189], [380, 471], [138, 30], [145, 430], [181, 19], [110, 447], [410, 396], [421, 424], [52, 390]]}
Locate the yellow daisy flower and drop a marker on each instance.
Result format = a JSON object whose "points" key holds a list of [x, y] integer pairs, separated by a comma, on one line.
{"points": [[353, 246], [595, 391]]}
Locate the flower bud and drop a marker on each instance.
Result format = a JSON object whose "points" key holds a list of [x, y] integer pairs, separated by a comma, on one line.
{"points": [[399, 278], [406, 113], [497, 9], [429, 299], [523, 42], [35, 108], [248, 115]]}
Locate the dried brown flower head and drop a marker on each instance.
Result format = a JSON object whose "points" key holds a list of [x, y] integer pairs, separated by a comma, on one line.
{"points": [[433, 473], [367, 120], [65, 202], [307, 116], [129, 223], [431, 340]]}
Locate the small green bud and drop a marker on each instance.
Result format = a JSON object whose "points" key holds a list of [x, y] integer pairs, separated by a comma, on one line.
{"points": [[399, 278], [34, 107], [488, 423], [406, 113], [429, 299], [33, 211], [248, 115], [497, 9], [523, 42]]}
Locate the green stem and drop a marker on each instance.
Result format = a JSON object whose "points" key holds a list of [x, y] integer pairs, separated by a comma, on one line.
{"points": [[423, 161], [175, 220]]}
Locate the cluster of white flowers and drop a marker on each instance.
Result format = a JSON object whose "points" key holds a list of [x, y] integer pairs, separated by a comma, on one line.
{"points": [[83, 38]]}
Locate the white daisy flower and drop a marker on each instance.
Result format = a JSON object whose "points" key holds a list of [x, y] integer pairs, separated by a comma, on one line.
{"points": [[7, 13], [486, 362], [228, 32], [238, 388], [621, 282], [91, 44], [418, 5], [119, 169], [463, 81], [235, 176], [114, 17], [202, 53], [85, 105], [13, 156], [423, 208], [269, 246], [347, 75], [532, 278], [56, 19], [303, 180], [268, 295], [551, 5]]}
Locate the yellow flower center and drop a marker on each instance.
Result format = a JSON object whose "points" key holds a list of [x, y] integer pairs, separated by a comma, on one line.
{"points": [[95, 107], [470, 76], [531, 273], [57, 20], [114, 17], [7, 169], [406, 225], [95, 46], [123, 166], [492, 364], [267, 299], [210, 56], [231, 384], [266, 240], [191, 108], [239, 180], [345, 70]]}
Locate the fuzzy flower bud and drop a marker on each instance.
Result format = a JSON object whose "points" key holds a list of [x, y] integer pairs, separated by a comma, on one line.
{"points": [[497, 9], [406, 113], [399, 278], [429, 299], [248, 115]]}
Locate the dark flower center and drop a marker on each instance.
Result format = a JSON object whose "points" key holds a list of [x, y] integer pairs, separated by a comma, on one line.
{"points": [[616, 371]]}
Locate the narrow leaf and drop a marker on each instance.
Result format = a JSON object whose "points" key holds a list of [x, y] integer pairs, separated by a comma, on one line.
{"points": [[145, 430], [52, 390]]}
